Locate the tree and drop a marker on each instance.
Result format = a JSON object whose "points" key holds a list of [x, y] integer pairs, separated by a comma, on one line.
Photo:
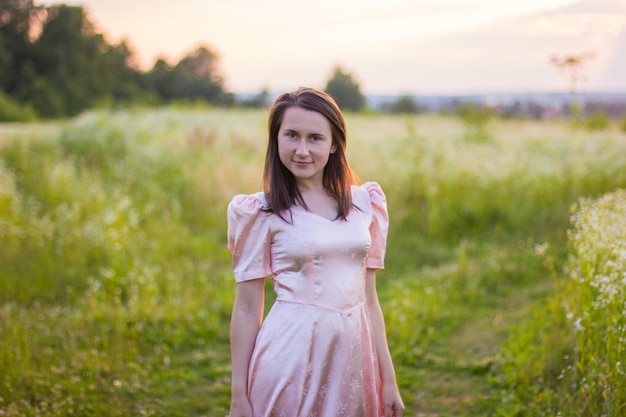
{"points": [[15, 47], [71, 56], [122, 73], [160, 80], [404, 105], [53, 59], [345, 90], [6, 65], [573, 67], [195, 77]]}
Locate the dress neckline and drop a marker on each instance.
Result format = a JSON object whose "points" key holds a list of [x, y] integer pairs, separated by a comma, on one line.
{"points": [[303, 210]]}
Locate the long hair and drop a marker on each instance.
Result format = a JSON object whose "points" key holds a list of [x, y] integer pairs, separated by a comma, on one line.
{"points": [[279, 184]]}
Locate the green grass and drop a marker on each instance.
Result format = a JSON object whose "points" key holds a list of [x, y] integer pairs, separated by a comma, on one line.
{"points": [[568, 358], [116, 290]]}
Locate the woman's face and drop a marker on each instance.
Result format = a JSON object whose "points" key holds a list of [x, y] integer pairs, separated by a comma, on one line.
{"points": [[304, 144]]}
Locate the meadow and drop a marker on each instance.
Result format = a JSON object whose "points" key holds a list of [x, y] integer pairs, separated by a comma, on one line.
{"points": [[503, 291]]}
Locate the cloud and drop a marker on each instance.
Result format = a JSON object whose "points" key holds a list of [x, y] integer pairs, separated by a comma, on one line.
{"points": [[616, 67], [596, 7], [514, 53]]}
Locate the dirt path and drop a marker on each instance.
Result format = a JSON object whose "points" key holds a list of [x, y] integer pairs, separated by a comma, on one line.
{"points": [[455, 372]]}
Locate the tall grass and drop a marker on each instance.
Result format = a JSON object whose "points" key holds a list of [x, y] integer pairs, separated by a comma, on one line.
{"points": [[577, 369], [113, 252], [115, 286]]}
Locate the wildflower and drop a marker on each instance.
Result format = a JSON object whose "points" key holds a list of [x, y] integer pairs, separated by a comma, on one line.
{"points": [[578, 325]]}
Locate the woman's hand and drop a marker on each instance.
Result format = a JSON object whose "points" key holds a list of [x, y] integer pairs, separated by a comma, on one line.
{"points": [[240, 408], [394, 407]]}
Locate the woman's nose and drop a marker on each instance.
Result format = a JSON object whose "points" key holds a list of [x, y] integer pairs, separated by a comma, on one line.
{"points": [[302, 148]]}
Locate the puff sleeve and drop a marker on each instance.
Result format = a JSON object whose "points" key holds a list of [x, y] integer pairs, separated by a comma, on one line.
{"points": [[379, 225], [249, 239]]}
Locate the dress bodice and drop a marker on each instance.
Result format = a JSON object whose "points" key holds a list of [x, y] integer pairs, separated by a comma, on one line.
{"points": [[313, 260]]}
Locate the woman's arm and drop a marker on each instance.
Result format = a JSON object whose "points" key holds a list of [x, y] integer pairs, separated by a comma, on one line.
{"points": [[390, 392], [244, 326]]}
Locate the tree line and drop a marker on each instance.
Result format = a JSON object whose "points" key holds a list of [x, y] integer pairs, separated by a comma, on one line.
{"points": [[53, 63]]}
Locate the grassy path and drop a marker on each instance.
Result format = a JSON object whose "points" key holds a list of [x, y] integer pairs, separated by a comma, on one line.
{"points": [[454, 373]]}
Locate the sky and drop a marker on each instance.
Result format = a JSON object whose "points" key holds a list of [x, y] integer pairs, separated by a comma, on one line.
{"points": [[389, 46]]}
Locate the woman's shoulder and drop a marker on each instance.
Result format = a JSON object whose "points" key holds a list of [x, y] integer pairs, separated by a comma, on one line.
{"points": [[369, 192], [247, 204]]}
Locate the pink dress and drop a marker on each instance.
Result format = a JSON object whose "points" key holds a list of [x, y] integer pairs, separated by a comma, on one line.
{"points": [[314, 354]]}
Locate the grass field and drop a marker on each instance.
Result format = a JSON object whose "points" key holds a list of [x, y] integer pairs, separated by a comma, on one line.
{"points": [[115, 282]]}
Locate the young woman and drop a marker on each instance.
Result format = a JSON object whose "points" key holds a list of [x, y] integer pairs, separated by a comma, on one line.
{"points": [[322, 348]]}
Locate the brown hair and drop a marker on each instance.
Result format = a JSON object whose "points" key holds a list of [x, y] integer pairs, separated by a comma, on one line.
{"points": [[279, 183]]}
